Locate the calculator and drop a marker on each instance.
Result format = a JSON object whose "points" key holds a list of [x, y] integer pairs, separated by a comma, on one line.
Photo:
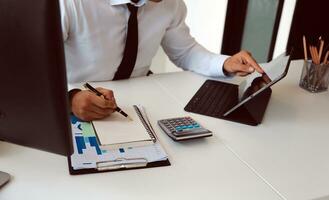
{"points": [[183, 128]]}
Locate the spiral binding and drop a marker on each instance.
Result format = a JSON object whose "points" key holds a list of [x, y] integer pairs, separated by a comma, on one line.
{"points": [[148, 129]]}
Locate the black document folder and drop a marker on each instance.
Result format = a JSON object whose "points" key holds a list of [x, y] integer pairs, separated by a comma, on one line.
{"points": [[89, 156]]}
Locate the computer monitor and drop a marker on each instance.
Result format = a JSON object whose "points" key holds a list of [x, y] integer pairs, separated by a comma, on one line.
{"points": [[33, 86]]}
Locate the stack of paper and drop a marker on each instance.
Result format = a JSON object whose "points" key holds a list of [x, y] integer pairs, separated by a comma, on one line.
{"points": [[117, 131]]}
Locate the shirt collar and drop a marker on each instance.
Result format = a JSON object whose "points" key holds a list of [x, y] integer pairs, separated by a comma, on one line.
{"points": [[120, 2]]}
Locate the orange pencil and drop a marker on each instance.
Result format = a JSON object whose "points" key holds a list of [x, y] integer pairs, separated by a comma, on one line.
{"points": [[316, 53]]}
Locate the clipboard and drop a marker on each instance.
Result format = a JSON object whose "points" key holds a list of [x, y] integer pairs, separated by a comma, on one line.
{"points": [[87, 151]]}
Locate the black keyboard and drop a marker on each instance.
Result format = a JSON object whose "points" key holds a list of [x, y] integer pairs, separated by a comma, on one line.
{"points": [[214, 98]]}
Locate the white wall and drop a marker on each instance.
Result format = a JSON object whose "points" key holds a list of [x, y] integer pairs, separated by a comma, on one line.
{"points": [[284, 28], [206, 19]]}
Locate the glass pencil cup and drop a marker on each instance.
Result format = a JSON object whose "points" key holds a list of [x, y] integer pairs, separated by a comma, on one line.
{"points": [[315, 78]]}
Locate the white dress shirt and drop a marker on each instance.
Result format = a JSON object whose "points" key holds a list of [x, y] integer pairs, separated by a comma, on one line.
{"points": [[95, 35]]}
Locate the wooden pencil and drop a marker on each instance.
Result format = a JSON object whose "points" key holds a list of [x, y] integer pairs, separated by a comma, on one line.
{"points": [[305, 48], [325, 61], [313, 67], [312, 54], [316, 53], [320, 51]]}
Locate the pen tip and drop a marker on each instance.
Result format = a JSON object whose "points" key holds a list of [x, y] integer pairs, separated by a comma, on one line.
{"points": [[130, 118]]}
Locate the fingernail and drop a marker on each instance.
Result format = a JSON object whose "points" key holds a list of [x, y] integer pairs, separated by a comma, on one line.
{"points": [[251, 69]]}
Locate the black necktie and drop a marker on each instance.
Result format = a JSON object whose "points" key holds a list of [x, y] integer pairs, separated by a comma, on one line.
{"points": [[130, 53]]}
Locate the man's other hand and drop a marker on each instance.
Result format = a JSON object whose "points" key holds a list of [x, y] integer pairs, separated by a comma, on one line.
{"points": [[241, 64], [88, 106]]}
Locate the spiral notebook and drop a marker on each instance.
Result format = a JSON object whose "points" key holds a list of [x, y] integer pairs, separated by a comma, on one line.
{"points": [[117, 131]]}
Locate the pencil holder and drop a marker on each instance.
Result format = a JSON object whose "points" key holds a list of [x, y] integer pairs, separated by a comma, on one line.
{"points": [[315, 78]]}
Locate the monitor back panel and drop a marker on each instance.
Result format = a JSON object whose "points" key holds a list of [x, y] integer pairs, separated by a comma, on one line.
{"points": [[33, 97]]}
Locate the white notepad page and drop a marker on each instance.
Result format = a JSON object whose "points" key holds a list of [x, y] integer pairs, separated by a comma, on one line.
{"points": [[116, 129]]}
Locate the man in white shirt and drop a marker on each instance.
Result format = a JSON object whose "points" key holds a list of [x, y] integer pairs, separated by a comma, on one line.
{"points": [[96, 36]]}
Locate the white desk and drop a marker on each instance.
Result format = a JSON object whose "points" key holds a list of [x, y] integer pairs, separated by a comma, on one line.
{"points": [[284, 158], [289, 149]]}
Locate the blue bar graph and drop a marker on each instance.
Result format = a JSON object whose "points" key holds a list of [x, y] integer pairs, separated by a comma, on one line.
{"points": [[74, 119], [80, 144], [86, 138], [93, 142]]}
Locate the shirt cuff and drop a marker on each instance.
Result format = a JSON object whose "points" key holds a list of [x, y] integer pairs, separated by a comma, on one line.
{"points": [[217, 66], [73, 87]]}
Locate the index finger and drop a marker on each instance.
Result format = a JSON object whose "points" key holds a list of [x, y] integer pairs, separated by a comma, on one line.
{"points": [[253, 63], [108, 94]]}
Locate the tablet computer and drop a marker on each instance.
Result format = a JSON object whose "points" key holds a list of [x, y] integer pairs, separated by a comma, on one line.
{"points": [[256, 83], [245, 102]]}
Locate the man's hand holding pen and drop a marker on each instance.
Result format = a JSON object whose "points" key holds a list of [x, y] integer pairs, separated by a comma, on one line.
{"points": [[87, 106]]}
